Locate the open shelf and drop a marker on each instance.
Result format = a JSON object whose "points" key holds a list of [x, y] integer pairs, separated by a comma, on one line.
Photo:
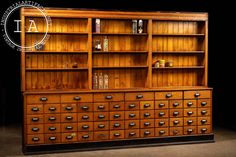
{"points": [[178, 52], [130, 34], [56, 52], [55, 69], [75, 33], [180, 67], [187, 35], [120, 52], [118, 67]]}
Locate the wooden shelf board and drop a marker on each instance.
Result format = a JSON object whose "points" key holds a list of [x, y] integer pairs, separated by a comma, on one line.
{"points": [[82, 33], [178, 52], [180, 67], [118, 67], [56, 69], [162, 34], [131, 34], [123, 52], [56, 52]]}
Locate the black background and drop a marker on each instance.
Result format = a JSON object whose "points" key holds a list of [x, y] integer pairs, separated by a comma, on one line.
{"points": [[221, 50]]}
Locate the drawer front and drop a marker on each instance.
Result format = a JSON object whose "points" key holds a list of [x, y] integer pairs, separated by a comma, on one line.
{"points": [[197, 94], [168, 95], [176, 104], [34, 99], [85, 126], [85, 136], [149, 123], [99, 126], [161, 104], [69, 137], [190, 130], [190, 103], [132, 105], [117, 115], [35, 119], [52, 138], [175, 131], [52, 118], [101, 135], [190, 112], [139, 96], [117, 106], [100, 107], [35, 139], [76, 98], [69, 127], [162, 113], [145, 133], [52, 108], [131, 114], [204, 103], [176, 113], [162, 122], [35, 129], [117, 134], [134, 133], [204, 120], [85, 117], [35, 109], [117, 125], [69, 117], [100, 97], [176, 121], [189, 121], [101, 116], [203, 112], [52, 128], [147, 114], [204, 129], [69, 107], [147, 105], [85, 107], [161, 132], [132, 124]]}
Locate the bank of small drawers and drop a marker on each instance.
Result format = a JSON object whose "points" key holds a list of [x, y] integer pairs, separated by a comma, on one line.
{"points": [[68, 118]]}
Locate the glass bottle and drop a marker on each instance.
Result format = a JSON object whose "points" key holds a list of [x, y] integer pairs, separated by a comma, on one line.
{"points": [[100, 81], [98, 46], [95, 81], [140, 26], [106, 79], [105, 44], [134, 26]]}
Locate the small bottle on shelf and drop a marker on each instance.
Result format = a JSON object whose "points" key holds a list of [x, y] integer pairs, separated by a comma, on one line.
{"points": [[134, 26], [95, 81], [140, 26], [106, 81], [97, 26], [105, 44], [100, 81], [98, 45]]}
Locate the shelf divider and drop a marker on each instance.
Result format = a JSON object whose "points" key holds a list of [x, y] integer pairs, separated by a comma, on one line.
{"points": [[90, 41]]}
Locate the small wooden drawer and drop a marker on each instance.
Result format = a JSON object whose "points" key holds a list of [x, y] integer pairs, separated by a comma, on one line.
{"points": [[52, 118], [101, 106], [132, 105], [176, 104], [161, 104], [139, 96], [190, 103], [35, 109], [197, 94], [161, 131], [35, 129], [100, 97], [35, 119], [85, 136], [68, 108], [85, 117], [176, 112], [33, 99], [117, 125], [147, 114], [176, 121], [69, 127], [162, 122], [175, 131], [190, 112], [69, 117], [131, 114], [52, 138], [147, 132], [204, 103], [85, 126], [101, 116], [168, 95], [101, 135], [117, 106], [203, 120], [117, 134], [35, 139], [132, 124], [190, 130], [85, 107], [76, 98], [69, 137], [52, 108], [147, 105], [147, 123], [99, 126], [204, 129], [52, 128], [117, 115], [162, 113], [189, 121], [203, 111], [134, 133]]}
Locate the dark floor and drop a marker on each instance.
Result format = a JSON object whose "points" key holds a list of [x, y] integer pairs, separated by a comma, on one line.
{"points": [[225, 146]]}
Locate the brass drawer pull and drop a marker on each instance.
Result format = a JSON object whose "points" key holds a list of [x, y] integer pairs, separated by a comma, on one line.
{"points": [[190, 130], [176, 122], [52, 128], [176, 113], [132, 124], [69, 127], [52, 118], [116, 134], [85, 107], [85, 126], [116, 115], [161, 105], [35, 139], [161, 113], [116, 106], [116, 124], [139, 96], [35, 109], [101, 116], [147, 114], [108, 97], [189, 104], [147, 123], [168, 95], [52, 108], [190, 121], [52, 138], [35, 119], [162, 132], [101, 126], [77, 98], [43, 99], [204, 112], [69, 108], [101, 107], [175, 104], [147, 132], [203, 121], [146, 105], [85, 136], [190, 112], [197, 95], [85, 117], [132, 115], [69, 117], [132, 105], [35, 129], [203, 130], [132, 133], [161, 123], [203, 103], [69, 137]]}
